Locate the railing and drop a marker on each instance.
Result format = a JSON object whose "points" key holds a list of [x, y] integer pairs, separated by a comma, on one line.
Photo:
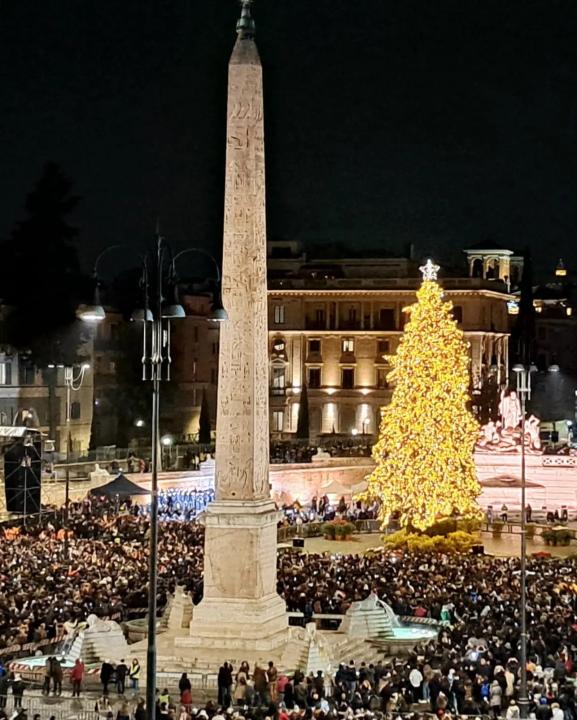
{"points": [[62, 708], [314, 529], [199, 681]]}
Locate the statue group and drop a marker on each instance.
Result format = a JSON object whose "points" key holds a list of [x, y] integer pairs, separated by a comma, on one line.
{"points": [[506, 434]]}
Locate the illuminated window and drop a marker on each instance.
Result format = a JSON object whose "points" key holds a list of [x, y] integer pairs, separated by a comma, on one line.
{"points": [[5, 373], [278, 378], [348, 345], [279, 314], [278, 420]]}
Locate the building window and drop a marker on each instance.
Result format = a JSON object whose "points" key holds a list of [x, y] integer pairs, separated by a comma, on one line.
{"points": [[314, 378], [352, 315], [348, 378], [278, 380], [75, 411], [382, 378], [384, 347], [5, 373], [27, 375], [387, 319], [348, 345], [320, 318], [278, 420], [279, 314], [458, 314], [314, 346]]}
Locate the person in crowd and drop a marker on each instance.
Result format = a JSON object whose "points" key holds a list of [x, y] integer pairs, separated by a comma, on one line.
{"points": [[76, 677], [57, 675], [224, 682], [272, 680], [106, 676], [134, 673], [123, 712], [121, 672], [140, 711], [4, 686], [18, 688], [47, 676], [241, 684]]}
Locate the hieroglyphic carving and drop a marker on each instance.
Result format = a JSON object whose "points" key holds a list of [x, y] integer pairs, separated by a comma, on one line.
{"points": [[242, 417]]}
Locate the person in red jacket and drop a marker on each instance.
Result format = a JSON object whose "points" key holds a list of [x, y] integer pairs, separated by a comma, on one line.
{"points": [[77, 675]]}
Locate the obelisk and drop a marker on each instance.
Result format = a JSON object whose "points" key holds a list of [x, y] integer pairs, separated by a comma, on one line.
{"points": [[241, 609]]}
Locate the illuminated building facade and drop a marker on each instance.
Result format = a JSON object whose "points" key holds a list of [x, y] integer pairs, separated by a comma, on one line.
{"points": [[333, 322]]}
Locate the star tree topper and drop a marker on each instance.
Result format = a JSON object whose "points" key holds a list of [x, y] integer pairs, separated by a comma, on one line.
{"points": [[429, 270]]}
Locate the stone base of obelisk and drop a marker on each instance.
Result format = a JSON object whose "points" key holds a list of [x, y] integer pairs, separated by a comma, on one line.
{"points": [[241, 617]]}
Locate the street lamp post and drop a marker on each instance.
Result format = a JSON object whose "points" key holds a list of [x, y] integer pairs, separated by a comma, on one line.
{"points": [[524, 392], [154, 359], [72, 382], [158, 269]]}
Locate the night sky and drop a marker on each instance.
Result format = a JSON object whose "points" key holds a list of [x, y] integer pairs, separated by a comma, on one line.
{"points": [[440, 123]]}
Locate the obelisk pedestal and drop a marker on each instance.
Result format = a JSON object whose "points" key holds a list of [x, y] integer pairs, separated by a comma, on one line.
{"points": [[241, 616], [241, 610]]}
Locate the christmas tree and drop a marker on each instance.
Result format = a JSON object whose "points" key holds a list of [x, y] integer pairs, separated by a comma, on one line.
{"points": [[425, 468]]}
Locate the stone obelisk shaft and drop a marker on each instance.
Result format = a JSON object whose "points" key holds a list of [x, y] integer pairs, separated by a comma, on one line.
{"points": [[242, 417], [241, 616]]}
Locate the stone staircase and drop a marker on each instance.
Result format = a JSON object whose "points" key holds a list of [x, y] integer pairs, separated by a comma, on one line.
{"points": [[101, 640], [345, 648], [369, 619]]}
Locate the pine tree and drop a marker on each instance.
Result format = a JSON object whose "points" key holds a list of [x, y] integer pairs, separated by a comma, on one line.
{"points": [[204, 436], [425, 468], [40, 276], [303, 429]]}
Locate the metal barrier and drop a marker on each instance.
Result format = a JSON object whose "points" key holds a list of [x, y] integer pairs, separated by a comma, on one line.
{"points": [[62, 708], [314, 529], [199, 681]]}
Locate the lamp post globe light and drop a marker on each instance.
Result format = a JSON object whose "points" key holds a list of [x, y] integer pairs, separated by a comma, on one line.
{"points": [[523, 376], [158, 273]]}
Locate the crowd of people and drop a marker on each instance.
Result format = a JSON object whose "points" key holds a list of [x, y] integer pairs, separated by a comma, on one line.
{"points": [[286, 452], [322, 509], [105, 573], [472, 668], [177, 504], [290, 452]]}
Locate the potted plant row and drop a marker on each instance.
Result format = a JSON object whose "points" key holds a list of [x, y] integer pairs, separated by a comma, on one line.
{"points": [[338, 529]]}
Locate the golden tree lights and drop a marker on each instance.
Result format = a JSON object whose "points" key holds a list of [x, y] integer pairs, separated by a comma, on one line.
{"points": [[425, 468]]}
